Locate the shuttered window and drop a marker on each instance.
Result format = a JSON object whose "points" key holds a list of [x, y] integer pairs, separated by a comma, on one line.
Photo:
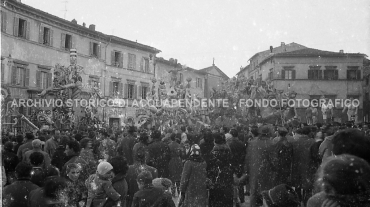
{"points": [[21, 28], [66, 41], [3, 21], [314, 73], [131, 61], [95, 50], [117, 59], [116, 89], [46, 35], [353, 73], [43, 79], [20, 76]]}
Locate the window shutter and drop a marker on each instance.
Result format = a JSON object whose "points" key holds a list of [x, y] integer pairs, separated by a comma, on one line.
{"points": [[121, 60], [51, 38], [2, 72], [27, 30], [16, 26], [27, 77], [134, 62], [91, 48], [3, 21], [41, 35], [38, 79], [142, 64], [293, 74], [112, 59], [72, 42], [320, 74], [125, 89], [120, 89], [140, 92], [336, 75], [63, 41], [282, 74], [358, 74], [50, 80], [135, 92], [111, 88], [99, 51], [14, 75]]}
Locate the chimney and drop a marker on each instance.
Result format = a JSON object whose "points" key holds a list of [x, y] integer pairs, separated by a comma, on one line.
{"points": [[92, 27], [282, 43], [175, 61], [341, 51], [74, 21], [83, 24], [271, 48]]}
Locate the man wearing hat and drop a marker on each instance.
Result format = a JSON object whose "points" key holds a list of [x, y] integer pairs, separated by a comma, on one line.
{"points": [[148, 195], [36, 147]]}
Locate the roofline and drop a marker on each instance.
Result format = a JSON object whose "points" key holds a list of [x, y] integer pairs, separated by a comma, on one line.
{"points": [[78, 27]]}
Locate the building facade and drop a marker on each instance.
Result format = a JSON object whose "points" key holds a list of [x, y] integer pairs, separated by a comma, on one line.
{"points": [[314, 74], [366, 90], [34, 42]]}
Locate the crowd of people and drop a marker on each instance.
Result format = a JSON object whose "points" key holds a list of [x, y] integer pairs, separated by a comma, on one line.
{"points": [[290, 165]]}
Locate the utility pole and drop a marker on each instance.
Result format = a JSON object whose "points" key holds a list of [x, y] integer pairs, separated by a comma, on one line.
{"points": [[65, 8]]}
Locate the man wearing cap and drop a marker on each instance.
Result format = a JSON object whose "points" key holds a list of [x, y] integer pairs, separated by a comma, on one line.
{"points": [[36, 144], [148, 195]]}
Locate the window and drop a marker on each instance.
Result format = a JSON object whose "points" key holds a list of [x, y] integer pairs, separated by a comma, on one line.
{"points": [[95, 49], [314, 73], [331, 73], [181, 78], [117, 59], [353, 97], [43, 79], [21, 28], [353, 73], [66, 41], [46, 36], [144, 91], [131, 61], [146, 65], [199, 83], [271, 74], [3, 21], [20, 76], [94, 83], [130, 91]]}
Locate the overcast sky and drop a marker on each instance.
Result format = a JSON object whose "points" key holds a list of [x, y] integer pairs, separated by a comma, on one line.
{"points": [[231, 31]]}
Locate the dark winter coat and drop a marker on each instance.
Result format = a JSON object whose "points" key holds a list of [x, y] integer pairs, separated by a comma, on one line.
{"points": [[282, 161], [38, 176], [175, 164], [303, 167], [132, 173], [138, 146], [259, 167], [151, 196], [220, 174], [125, 148], [77, 192], [59, 158], [10, 161], [238, 153], [193, 183], [159, 157], [120, 185], [16, 194], [37, 198], [23, 148]]}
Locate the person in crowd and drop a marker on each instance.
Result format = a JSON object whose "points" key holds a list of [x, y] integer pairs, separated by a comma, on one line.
{"points": [[303, 166], [314, 149], [159, 154], [281, 196], [26, 146], [77, 191], [238, 153], [86, 159], [38, 172], [59, 157], [167, 137], [193, 180], [36, 147], [52, 171], [344, 181], [9, 161], [126, 146], [72, 152], [175, 164], [282, 158], [148, 195], [107, 147], [54, 193], [52, 144], [100, 187], [325, 149], [220, 174], [119, 182], [183, 134], [206, 146], [18, 142], [16, 194], [259, 165], [144, 140], [163, 183]]}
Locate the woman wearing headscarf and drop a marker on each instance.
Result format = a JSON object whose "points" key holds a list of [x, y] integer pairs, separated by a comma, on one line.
{"points": [[220, 174], [193, 180]]}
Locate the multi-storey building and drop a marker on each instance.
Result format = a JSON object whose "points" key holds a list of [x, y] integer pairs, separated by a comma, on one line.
{"points": [[366, 90], [33, 42], [313, 73]]}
